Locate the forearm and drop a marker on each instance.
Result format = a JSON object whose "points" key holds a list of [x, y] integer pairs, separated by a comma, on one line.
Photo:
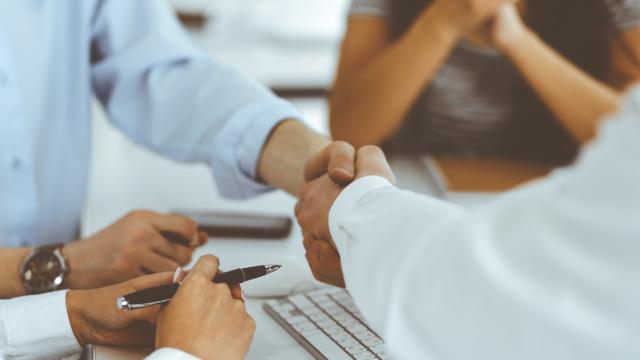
{"points": [[368, 105], [286, 153], [10, 261], [579, 101]]}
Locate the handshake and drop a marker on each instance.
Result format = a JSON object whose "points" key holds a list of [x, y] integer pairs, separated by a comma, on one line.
{"points": [[326, 176], [201, 307]]}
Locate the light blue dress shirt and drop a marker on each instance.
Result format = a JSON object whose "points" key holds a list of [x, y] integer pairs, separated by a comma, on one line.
{"points": [[156, 86]]}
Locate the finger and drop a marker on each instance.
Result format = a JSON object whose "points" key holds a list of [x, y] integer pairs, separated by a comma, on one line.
{"points": [[178, 253], [148, 281], [370, 160], [326, 253], [153, 262], [207, 265], [341, 168], [181, 225], [236, 292], [203, 237], [144, 282], [307, 242], [338, 157], [179, 275]]}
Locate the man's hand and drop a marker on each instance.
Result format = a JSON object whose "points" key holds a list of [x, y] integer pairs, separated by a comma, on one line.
{"points": [[204, 319], [294, 154], [312, 213], [131, 247], [96, 319]]}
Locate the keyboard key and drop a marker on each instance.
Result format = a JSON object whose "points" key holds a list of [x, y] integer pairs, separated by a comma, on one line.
{"points": [[326, 346], [301, 301], [365, 355], [304, 327], [328, 321]]}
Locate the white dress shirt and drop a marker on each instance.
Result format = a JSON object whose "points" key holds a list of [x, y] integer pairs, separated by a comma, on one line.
{"points": [[547, 271], [156, 86], [37, 327]]}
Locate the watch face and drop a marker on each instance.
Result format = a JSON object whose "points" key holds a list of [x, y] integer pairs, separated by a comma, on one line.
{"points": [[43, 272]]}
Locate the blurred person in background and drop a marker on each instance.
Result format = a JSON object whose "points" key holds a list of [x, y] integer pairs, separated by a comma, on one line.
{"points": [[527, 80], [160, 90]]}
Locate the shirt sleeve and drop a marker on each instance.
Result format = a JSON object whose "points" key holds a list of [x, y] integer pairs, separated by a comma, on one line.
{"points": [[170, 96], [36, 327], [548, 271], [170, 354], [379, 8]]}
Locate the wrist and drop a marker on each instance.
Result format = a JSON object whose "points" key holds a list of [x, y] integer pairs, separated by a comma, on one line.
{"points": [[517, 43], [70, 253], [76, 317], [448, 25]]}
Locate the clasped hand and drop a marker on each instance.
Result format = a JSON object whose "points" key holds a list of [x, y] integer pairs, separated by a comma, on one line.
{"points": [[324, 183]]}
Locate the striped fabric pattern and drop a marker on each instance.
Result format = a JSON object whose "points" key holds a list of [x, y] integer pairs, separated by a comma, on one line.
{"points": [[469, 107]]}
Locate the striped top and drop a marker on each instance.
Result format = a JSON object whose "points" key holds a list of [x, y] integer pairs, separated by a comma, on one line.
{"points": [[469, 108]]}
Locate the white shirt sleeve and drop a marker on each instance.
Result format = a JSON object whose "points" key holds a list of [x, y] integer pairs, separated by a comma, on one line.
{"points": [[36, 327], [170, 354], [548, 271]]}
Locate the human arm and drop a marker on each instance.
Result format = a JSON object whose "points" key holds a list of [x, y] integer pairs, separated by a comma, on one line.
{"points": [[56, 325], [577, 99], [173, 98], [378, 80], [10, 261], [546, 271]]}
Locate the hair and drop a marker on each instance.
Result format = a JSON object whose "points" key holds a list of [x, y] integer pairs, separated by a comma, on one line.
{"points": [[577, 29]]}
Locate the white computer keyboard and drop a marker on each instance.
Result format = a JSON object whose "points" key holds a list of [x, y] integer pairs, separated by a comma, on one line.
{"points": [[327, 324]]}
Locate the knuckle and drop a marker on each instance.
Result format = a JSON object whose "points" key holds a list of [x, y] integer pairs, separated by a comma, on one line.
{"points": [[369, 150], [188, 224], [210, 259], [138, 214]]}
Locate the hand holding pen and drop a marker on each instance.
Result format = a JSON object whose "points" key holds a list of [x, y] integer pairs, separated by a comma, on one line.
{"points": [[203, 319], [163, 294]]}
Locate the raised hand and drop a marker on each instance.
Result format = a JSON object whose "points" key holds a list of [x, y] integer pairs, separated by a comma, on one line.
{"points": [[203, 318], [463, 16], [337, 160], [131, 247]]}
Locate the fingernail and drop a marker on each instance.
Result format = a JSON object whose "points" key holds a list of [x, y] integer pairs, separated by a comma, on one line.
{"points": [[178, 274]]}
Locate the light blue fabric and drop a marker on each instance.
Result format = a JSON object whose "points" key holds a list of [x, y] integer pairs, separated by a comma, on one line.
{"points": [[156, 86]]}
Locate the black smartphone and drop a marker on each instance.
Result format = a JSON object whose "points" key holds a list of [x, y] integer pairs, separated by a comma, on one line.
{"points": [[240, 225]]}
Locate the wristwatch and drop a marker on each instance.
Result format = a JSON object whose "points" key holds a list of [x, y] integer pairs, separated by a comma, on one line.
{"points": [[44, 269]]}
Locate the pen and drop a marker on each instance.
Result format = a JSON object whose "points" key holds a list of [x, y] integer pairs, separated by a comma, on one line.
{"points": [[163, 293], [175, 238]]}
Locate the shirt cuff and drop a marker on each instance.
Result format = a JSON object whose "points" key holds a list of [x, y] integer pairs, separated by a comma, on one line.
{"points": [[170, 354], [38, 326], [240, 143], [345, 203]]}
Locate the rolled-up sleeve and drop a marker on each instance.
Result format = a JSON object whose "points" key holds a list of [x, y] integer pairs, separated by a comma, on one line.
{"points": [[173, 98], [36, 327]]}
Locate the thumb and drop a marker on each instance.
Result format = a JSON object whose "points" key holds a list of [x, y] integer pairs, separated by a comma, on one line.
{"points": [[337, 159], [370, 160]]}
